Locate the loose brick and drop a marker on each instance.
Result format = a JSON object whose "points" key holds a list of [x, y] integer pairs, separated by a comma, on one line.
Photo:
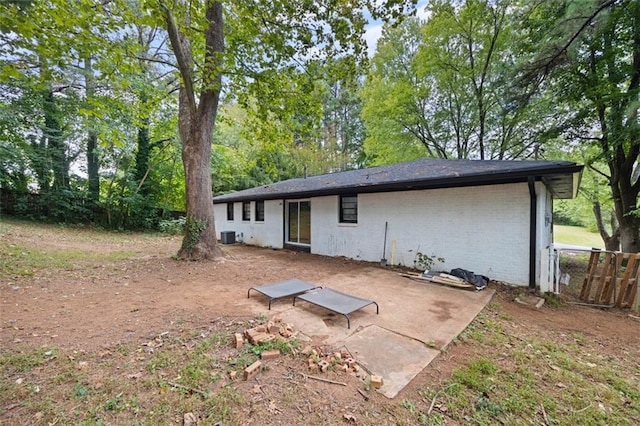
{"points": [[271, 354], [239, 341], [250, 332], [233, 375], [273, 329], [307, 350], [323, 365], [252, 370], [261, 328], [264, 338], [254, 339], [376, 382]]}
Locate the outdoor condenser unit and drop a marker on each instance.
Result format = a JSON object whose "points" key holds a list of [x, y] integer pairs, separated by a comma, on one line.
{"points": [[228, 237]]}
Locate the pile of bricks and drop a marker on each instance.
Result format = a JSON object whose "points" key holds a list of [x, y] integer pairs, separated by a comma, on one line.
{"points": [[323, 359], [319, 359], [264, 333]]}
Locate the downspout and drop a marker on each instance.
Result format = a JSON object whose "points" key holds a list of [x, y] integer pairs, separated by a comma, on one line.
{"points": [[533, 211], [284, 223]]}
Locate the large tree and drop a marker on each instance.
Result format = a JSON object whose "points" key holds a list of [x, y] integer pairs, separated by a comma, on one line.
{"points": [[267, 43], [442, 86], [590, 58]]}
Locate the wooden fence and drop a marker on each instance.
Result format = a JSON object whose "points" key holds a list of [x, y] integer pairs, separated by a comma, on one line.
{"points": [[611, 279]]}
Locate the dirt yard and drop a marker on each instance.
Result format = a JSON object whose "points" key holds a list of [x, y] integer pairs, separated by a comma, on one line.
{"points": [[100, 299]]}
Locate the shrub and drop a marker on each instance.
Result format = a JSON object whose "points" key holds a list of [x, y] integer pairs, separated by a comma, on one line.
{"points": [[173, 226]]}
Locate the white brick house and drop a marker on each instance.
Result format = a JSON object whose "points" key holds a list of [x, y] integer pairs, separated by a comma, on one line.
{"points": [[491, 217]]}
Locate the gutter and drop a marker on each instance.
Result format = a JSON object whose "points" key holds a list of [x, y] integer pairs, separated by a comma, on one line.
{"points": [[315, 186], [533, 212]]}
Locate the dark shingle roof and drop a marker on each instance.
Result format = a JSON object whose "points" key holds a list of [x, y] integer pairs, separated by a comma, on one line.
{"points": [[561, 176]]}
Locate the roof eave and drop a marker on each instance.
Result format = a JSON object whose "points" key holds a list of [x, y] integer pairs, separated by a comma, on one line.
{"points": [[571, 171]]}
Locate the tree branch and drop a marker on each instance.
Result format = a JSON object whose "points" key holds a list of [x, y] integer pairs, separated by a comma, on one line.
{"points": [[547, 64], [183, 58]]}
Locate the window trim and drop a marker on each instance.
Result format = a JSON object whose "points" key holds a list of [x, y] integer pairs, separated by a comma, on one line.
{"points": [[341, 209], [246, 212], [259, 209], [230, 211]]}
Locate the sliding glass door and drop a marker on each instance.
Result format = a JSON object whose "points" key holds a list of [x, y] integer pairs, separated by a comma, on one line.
{"points": [[299, 222]]}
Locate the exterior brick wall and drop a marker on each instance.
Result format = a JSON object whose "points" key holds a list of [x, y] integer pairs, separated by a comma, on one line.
{"points": [[484, 229]]}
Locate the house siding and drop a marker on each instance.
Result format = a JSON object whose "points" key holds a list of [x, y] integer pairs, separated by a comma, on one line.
{"points": [[484, 229], [265, 234]]}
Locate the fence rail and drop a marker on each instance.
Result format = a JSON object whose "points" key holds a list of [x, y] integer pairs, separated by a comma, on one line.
{"points": [[597, 277]]}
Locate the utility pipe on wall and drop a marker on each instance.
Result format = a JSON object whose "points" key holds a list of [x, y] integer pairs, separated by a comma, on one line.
{"points": [[533, 210]]}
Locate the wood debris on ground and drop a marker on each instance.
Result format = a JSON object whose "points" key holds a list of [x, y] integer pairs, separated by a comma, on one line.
{"points": [[441, 278]]}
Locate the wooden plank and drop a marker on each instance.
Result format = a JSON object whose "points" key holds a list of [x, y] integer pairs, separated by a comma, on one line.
{"points": [[629, 282], [440, 280], [451, 283], [589, 276], [603, 280]]}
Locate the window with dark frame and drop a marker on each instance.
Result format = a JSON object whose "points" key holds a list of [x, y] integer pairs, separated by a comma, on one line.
{"points": [[349, 208], [229, 211], [246, 210], [260, 211]]}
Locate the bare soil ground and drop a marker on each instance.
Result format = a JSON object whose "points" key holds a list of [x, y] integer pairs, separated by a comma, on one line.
{"points": [[105, 336]]}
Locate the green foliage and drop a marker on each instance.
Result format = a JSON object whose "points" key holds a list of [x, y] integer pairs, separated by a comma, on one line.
{"points": [[425, 262], [594, 78], [193, 232], [440, 88], [173, 226]]}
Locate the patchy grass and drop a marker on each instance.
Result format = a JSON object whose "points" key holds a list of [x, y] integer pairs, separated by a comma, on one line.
{"points": [[519, 378], [576, 235], [19, 260], [508, 367], [510, 377]]}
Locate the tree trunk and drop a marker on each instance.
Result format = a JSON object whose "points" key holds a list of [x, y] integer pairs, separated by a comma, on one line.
{"points": [[611, 242], [93, 161], [196, 121], [624, 198], [142, 156], [200, 235], [55, 143]]}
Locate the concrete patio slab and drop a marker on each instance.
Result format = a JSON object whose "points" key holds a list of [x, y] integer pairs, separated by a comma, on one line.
{"points": [[396, 358], [416, 321]]}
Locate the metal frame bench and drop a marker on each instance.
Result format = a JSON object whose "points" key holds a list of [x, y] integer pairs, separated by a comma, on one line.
{"points": [[335, 301], [286, 288]]}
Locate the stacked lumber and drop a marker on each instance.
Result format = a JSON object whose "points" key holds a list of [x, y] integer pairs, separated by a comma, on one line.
{"points": [[442, 278]]}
